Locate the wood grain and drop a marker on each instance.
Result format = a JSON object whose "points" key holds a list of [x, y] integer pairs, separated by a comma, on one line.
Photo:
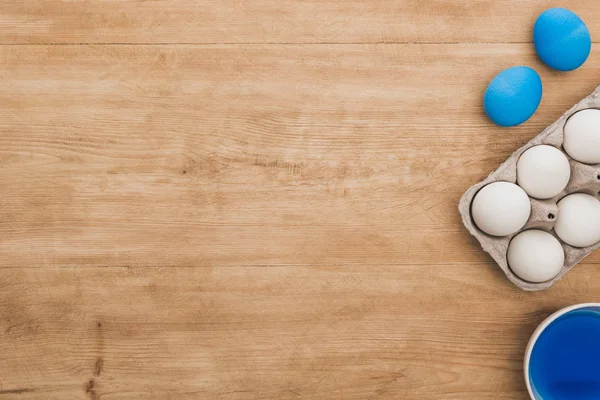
{"points": [[233, 155], [260, 207], [277, 21], [282, 332]]}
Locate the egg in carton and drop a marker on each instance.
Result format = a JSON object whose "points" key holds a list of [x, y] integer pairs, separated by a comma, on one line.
{"points": [[584, 178]]}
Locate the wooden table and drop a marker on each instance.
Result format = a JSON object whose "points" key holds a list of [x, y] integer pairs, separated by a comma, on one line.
{"points": [[258, 199]]}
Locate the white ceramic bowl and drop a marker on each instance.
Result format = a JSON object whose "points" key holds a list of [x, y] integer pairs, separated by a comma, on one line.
{"points": [[538, 332]]}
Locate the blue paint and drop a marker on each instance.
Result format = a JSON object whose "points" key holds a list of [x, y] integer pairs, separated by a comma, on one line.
{"points": [[565, 361], [513, 96], [561, 38]]}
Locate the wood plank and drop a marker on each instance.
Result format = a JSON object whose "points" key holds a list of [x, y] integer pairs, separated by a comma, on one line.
{"points": [[252, 155], [385, 332], [276, 21]]}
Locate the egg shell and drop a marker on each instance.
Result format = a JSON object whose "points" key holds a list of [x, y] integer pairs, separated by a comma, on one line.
{"points": [[513, 96], [582, 136], [561, 39], [585, 178], [578, 223], [535, 255], [543, 171], [501, 208]]}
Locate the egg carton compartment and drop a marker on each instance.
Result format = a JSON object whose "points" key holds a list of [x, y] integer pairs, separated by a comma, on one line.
{"points": [[544, 213]]}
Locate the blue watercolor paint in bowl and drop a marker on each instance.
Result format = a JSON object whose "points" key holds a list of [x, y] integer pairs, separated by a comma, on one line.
{"points": [[563, 357]]}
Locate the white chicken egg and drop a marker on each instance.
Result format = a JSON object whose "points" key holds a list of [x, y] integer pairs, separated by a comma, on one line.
{"points": [[500, 208], [535, 256], [578, 221], [543, 171], [582, 136]]}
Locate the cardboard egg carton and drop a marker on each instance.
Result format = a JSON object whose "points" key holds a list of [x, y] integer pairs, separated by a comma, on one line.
{"points": [[544, 213]]}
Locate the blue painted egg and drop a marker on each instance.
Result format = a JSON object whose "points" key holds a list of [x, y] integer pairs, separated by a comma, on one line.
{"points": [[513, 96], [561, 38]]}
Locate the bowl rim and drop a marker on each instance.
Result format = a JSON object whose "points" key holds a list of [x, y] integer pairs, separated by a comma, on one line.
{"points": [[536, 334]]}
